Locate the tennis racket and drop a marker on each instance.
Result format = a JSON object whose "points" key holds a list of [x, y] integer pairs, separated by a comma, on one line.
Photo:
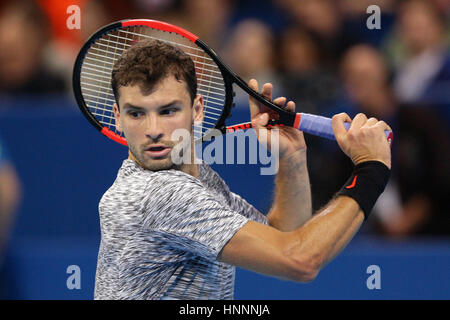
{"points": [[95, 61]]}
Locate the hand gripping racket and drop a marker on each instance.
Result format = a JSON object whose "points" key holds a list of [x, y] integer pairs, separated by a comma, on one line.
{"points": [[95, 61]]}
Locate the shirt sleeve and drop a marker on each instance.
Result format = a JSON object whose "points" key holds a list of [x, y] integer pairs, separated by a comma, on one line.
{"points": [[240, 205], [188, 216]]}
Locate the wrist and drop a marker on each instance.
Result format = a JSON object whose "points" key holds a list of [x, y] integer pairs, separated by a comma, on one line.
{"points": [[292, 163], [294, 155], [366, 184], [358, 161]]}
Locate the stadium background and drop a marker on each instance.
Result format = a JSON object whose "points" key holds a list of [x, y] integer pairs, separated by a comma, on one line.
{"points": [[319, 53]]}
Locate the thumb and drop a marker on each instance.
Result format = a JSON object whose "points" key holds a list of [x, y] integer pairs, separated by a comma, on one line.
{"points": [[337, 122]]}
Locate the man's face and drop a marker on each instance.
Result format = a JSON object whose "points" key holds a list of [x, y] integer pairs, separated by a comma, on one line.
{"points": [[148, 120]]}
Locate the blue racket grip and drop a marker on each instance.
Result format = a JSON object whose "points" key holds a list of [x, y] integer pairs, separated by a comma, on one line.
{"points": [[322, 127]]}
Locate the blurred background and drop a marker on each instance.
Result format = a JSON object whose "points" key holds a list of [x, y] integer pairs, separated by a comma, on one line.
{"points": [[54, 166]]}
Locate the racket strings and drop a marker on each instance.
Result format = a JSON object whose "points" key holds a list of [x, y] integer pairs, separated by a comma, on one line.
{"points": [[95, 78]]}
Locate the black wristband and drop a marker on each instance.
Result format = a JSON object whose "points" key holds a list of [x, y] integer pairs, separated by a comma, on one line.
{"points": [[366, 184]]}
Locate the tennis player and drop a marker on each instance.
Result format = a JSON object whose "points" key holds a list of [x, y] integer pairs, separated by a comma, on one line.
{"points": [[177, 231]]}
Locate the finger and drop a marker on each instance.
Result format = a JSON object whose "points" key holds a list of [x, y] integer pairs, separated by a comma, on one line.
{"points": [[383, 125], [280, 101], [253, 103], [290, 106], [358, 121], [337, 122], [371, 121], [267, 90]]}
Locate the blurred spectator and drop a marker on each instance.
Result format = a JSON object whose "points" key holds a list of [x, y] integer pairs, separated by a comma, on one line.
{"points": [[23, 39], [269, 11], [415, 200], [365, 77], [322, 19], [419, 204], [442, 5], [250, 53], [65, 43], [98, 13], [304, 78], [10, 194], [422, 63], [355, 17], [319, 16], [208, 19], [163, 10]]}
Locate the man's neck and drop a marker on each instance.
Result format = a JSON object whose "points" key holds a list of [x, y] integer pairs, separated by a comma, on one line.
{"points": [[191, 169]]}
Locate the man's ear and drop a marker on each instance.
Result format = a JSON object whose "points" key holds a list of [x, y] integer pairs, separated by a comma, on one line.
{"points": [[197, 114], [117, 117]]}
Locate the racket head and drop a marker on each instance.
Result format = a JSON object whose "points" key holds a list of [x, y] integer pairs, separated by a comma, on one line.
{"points": [[94, 63]]}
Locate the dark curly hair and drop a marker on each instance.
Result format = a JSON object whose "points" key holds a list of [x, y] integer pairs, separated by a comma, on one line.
{"points": [[149, 61]]}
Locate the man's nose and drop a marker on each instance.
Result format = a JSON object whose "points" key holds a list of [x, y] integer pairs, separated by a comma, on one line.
{"points": [[153, 128], [155, 138]]}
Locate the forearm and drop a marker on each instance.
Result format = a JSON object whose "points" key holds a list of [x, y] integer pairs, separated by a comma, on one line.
{"points": [[348, 235], [327, 233], [292, 204], [300, 254]]}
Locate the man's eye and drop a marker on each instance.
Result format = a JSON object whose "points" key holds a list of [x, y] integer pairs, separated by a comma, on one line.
{"points": [[135, 114], [168, 112]]}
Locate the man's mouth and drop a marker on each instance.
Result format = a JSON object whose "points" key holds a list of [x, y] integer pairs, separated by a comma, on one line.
{"points": [[157, 151]]}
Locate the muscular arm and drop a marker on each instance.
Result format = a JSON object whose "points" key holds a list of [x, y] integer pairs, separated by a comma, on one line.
{"points": [[292, 204], [300, 254]]}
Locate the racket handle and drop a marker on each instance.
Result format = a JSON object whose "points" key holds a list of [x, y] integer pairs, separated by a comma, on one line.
{"points": [[322, 127]]}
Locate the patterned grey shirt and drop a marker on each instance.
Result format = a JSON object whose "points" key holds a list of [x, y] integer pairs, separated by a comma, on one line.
{"points": [[161, 233]]}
